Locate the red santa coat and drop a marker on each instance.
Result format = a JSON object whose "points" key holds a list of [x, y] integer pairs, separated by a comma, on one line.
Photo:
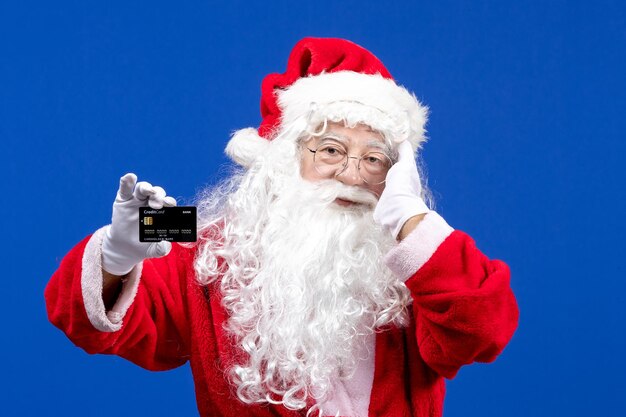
{"points": [[463, 311]]}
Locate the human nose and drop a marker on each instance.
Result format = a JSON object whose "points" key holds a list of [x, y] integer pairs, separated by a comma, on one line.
{"points": [[349, 175]]}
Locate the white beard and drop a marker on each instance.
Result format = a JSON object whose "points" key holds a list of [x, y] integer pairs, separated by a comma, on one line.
{"points": [[304, 285]]}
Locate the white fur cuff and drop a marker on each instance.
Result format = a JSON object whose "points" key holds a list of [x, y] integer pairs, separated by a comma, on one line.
{"points": [[91, 285], [416, 249]]}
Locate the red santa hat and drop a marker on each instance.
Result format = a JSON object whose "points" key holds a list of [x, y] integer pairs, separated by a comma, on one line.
{"points": [[336, 80]]}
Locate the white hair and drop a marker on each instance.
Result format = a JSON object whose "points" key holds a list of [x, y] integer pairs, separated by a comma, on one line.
{"points": [[302, 278]]}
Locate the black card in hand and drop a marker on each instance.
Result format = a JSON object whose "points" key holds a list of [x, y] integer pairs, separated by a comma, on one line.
{"points": [[174, 224]]}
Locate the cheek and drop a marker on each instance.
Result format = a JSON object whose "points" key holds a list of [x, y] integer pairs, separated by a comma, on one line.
{"points": [[377, 189]]}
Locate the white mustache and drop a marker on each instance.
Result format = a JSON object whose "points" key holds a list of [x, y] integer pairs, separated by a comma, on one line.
{"points": [[330, 190]]}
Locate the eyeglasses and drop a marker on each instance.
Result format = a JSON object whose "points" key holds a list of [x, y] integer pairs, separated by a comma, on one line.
{"points": [[332, 159]]}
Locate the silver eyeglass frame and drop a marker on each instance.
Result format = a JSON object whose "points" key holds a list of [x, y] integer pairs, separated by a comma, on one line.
{"points": [[344, 164]]}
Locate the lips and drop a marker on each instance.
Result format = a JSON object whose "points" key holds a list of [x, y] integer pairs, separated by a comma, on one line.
{"points": [[345, 203]]}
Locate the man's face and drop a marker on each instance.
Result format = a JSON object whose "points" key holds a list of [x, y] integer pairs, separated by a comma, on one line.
{"points": [[357, 141]]}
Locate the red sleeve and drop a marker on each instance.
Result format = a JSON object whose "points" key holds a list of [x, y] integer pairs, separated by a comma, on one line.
{"points": [[154, 332], [463, 305]]}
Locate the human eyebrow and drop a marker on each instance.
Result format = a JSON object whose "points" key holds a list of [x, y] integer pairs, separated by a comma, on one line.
{"points": [[383, 147], [344, 141], [335, 137]]}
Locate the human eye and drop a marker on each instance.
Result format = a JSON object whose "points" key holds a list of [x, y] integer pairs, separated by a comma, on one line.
{"points": [[331, 149], [375, 159], [376, 163], [330, 153]]}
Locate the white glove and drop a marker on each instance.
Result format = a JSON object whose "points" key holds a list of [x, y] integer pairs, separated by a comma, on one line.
{"points": [[121, 248], [401, 198]]}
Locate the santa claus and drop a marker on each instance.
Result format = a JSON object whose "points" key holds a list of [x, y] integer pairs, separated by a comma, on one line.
{"points": [[321, 283]]}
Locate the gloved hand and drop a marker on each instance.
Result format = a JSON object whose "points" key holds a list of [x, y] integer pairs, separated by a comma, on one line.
{"points": [[121, 248], [401, 198]]}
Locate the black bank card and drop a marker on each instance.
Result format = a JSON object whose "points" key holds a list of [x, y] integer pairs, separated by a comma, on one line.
{"points": [[174, 224]]}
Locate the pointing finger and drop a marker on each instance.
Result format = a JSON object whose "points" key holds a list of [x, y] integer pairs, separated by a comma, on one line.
{"points": [[127, 183], [406, 164], [405, 151]]}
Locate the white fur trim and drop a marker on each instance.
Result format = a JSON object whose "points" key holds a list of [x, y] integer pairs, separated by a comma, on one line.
{"points": [[245, 145], [416, 249], [352, 397], [357, 98], [91, 286]]}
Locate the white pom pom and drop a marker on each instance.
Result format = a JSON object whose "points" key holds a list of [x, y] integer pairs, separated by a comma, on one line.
{"points": [[245, 146]]}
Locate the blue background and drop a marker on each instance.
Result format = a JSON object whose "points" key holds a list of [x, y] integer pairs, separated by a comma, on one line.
{"points": [[526, 154]]}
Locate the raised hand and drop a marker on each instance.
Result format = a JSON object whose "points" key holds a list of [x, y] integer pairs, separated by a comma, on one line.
{"points": [[401, 199], [121, 248]]}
